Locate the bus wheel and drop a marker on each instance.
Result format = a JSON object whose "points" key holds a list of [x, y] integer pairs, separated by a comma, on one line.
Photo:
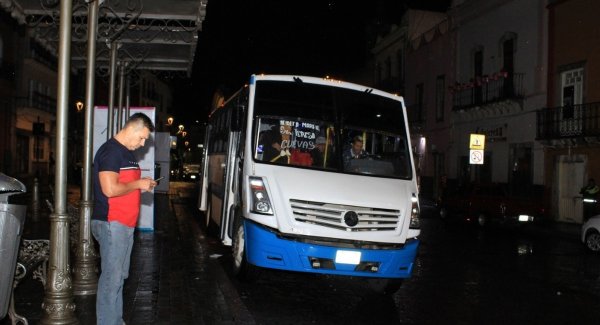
{"points": [[384, 286], [241, 268]]}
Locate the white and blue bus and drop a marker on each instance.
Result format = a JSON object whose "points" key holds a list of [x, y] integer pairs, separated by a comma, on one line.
{"points": [[313, 175]]}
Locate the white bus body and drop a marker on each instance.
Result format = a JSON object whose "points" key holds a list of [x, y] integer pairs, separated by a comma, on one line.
{"points": [[283, 205]]}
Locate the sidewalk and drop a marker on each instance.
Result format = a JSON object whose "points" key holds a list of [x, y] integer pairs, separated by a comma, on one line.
{"points": [[172, 279]]}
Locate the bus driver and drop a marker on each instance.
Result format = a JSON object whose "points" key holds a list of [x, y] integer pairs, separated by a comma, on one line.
{"points": [[355, 152]]}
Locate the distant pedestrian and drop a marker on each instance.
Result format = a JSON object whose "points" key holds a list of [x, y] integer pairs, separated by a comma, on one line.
{"points": [[117, 186], [590, 199]]}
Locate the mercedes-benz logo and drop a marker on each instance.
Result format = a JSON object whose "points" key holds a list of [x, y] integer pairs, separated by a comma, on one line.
{"points": [[351, 218]]}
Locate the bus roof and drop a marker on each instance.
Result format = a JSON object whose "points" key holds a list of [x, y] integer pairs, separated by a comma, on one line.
{"points": [[324, 81]]}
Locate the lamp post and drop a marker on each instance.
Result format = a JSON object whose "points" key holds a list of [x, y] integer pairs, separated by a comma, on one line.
{"points": [[58, 303], [85, 271]]}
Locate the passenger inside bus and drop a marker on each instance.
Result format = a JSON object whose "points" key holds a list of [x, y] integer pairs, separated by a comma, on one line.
{"points": [[354, 152], [271, 144], [318, 153]]}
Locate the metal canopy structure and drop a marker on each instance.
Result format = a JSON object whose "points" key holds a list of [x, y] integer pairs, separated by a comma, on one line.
{"points": [[154, 35]]}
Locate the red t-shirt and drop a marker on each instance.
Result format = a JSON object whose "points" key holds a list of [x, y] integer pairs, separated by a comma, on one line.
{"points": [[113, 156]]}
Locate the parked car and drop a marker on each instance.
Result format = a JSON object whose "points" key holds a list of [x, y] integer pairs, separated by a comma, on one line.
{"points": [[490, 203], [590, 233], [191, 172]]}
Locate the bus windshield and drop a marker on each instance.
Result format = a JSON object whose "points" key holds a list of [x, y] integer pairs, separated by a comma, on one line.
{"points": [[330, 128]]}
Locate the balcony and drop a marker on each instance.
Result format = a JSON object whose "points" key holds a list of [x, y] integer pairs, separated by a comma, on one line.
{"points": [[487, 90], [38, 101], [569, 122]]}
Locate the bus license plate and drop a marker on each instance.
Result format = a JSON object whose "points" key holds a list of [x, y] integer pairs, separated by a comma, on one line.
{"points": [[347, 257]]}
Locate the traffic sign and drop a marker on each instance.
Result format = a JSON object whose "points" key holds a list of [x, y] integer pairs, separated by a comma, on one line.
{"points": [[476, 157], [477, 141]]}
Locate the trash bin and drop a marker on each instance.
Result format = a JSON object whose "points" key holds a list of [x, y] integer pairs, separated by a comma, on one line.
{"points": [[12, 219]]}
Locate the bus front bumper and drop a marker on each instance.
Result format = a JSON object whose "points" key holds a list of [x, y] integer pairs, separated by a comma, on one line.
{"points": [[265, 249]]}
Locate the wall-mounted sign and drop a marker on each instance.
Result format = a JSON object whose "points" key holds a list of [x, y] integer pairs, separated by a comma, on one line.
{"points": [[476, 157], [493, 133], [477, 141]]}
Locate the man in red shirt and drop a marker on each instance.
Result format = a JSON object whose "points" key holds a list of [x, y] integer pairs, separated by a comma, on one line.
{"points": [[117, 190]]}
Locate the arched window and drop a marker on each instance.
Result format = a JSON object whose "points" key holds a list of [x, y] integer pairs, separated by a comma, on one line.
{"points": [[508, 47]]}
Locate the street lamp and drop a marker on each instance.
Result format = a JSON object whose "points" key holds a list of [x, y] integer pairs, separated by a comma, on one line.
{"points": [[170, 121], [79, 106]]}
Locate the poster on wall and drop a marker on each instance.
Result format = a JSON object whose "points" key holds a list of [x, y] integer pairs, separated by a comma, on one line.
{"points": [[144, 155]]}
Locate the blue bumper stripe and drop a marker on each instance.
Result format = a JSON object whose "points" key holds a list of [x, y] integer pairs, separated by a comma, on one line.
{"points": [[265, 249]]}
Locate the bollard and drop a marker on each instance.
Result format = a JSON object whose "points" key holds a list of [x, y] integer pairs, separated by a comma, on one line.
{"points": [[35, 205]]}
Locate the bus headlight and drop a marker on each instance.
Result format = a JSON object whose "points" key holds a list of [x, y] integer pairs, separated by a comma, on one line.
{"points": [[415, 221], [260, 199]]}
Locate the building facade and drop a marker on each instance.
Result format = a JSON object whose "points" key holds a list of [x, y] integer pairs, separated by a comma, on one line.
{"points": [[430, 65], [35, 108], [408, 60], [500, 83], [27, 103], [569, 127], [9, 32]]}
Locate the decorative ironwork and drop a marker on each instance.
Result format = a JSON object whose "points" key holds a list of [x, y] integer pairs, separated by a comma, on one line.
{"points": [[62, 280], [487, 91], [33, 259], [122, 21], [573, 121]]}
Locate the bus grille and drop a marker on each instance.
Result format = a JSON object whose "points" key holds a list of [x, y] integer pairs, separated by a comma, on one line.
{"points": [[335, 216]]}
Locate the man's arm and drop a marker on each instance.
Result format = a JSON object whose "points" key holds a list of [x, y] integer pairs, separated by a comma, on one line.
{"points": [[111, 187]]}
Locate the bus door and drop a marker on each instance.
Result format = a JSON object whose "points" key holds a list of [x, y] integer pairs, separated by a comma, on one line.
{"points": [[230, 186], [204, 180], [232, 172]]}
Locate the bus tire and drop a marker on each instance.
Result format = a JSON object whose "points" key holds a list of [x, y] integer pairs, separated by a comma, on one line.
{"points": [[241, 268], [384, 286]]}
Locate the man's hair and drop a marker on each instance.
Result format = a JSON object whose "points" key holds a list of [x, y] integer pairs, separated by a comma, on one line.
{"points": [[140, 118], [357, 138]]}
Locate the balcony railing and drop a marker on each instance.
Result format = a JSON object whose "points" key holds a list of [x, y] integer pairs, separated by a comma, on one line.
{"points": [[571, 121], [486, 91], [38, 101]]}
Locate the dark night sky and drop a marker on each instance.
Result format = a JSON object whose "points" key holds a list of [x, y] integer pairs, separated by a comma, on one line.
{"points": [[310, 37]]}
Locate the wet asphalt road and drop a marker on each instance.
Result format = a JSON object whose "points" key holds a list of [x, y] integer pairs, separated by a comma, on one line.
{"points": [[462, 276], [180, 274]]}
